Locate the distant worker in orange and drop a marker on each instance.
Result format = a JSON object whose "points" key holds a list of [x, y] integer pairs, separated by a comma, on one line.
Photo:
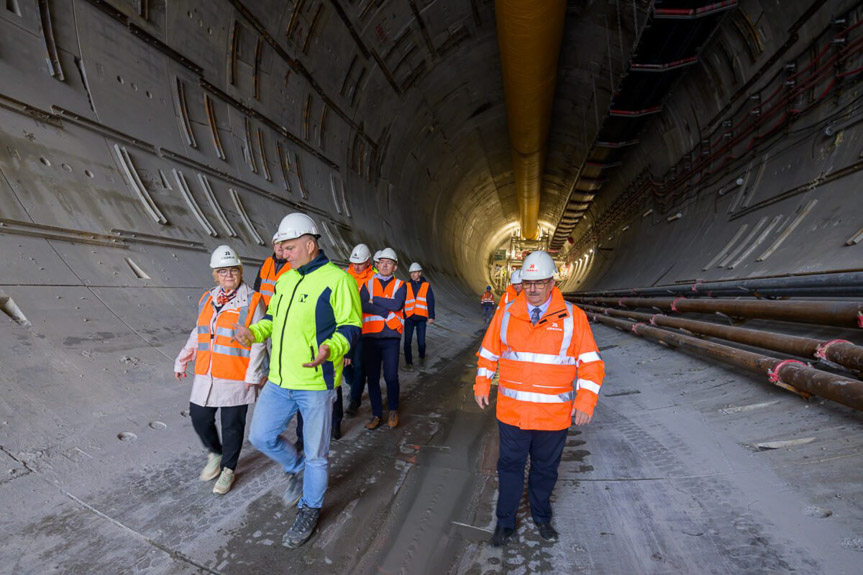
{"points": [[513, 290], [227, 373], [550, 374], [487, 302]]}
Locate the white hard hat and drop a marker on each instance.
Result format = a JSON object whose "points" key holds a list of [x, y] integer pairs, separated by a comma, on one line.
{"points": [[538, 266], [515, 278], [361, 254], [296, 225], [276, 238], [415, 267], [377, 256], [224, 257], [389, 254]]}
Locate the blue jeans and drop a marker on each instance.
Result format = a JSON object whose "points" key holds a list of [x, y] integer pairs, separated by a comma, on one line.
{"points": [[355, 375], [275, 408], [487, 312], [420, 326]]}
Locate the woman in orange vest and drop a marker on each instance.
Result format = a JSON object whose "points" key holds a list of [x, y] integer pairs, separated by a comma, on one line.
{"points": [[227, 374]]}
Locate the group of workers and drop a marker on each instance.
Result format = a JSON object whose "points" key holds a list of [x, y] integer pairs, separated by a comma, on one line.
{"points": [[286, 341]]}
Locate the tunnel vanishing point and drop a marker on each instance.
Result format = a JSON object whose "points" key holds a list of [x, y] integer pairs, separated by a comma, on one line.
{"points": [[694, 167]]}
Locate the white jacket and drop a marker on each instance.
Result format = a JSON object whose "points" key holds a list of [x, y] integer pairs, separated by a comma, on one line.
{"points": [[209, 391]]}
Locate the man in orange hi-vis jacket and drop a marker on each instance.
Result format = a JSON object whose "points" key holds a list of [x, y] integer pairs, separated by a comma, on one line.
{"points": [[550, 373]]}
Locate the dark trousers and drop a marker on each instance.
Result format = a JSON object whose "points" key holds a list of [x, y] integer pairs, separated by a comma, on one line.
{"points": [[487, 311], [382, 351], [338, 414], [545, 449], [420, 325], [233, 429], [355, 375]]}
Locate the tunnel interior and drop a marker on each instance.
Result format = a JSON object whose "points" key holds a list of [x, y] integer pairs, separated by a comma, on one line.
{"points": [[690, 141]]}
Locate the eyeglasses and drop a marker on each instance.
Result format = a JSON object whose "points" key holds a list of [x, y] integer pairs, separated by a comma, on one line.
{"points": [[228, 271], [538, 284]]}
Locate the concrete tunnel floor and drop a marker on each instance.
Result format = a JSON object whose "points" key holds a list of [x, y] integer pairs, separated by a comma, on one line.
{"points": [[668, 478]]}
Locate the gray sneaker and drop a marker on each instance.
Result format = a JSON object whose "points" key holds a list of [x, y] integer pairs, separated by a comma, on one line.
{"points": [[294, 489], [303, 527]]}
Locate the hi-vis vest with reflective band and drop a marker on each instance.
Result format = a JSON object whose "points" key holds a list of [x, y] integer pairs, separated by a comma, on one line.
{"points": [[395, 319], [541, 366], [269, 278], [487, 297], [229, 359], [418, 305], [509, 295]]}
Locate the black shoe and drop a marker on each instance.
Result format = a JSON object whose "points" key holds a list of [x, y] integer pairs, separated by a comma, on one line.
{"points": [[353, 408], [502, 535], [546, 531], [337, 431], [303, 527]]}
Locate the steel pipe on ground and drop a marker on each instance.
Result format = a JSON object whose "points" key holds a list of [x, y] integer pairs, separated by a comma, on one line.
{"points": [[841, 284], [839, 352], [797, 375], [836, 313]]}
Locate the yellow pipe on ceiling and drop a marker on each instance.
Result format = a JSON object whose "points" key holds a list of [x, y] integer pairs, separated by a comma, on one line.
{"points": [[529, 34]]}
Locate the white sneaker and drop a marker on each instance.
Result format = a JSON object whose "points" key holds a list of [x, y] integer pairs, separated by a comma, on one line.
{"points": [[211, 470], [226, 480]]}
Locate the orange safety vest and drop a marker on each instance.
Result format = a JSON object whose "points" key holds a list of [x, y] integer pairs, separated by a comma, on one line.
{"points": [[361, 278], [508, 296], [395, 320], [545, 369], [217, 354], [487, 297], [417, 306], [269, 277]]}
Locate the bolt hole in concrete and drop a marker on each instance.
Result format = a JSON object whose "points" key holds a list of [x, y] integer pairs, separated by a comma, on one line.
{"points": [[127, 436], [184, 413], [45, 161], [66, 167], [11, 309], [120, 79], [158, 425]]}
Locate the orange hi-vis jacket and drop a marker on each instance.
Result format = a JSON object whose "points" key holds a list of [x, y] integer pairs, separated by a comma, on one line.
{"points": [[487, 297], [361, 278], [417, 305], [230, 359], [395, 320], [269, 277], [546, 369], [509, 295]]}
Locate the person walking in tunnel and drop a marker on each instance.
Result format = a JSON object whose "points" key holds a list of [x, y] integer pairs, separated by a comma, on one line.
{"points": [[419, 309], [227, 374], [271, 270], [513, 290], [542, 344], [313, 319], [487, 303], [360, 269], [383, 299]]}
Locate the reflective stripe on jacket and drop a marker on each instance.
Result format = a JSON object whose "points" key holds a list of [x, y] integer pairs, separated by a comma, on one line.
{"points": [[417, 305], [546, 369], [394, 320], [269, 277], [509, 295], [487, 297], [217, 353]]}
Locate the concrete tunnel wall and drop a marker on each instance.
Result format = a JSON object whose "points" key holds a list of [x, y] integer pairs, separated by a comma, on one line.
{"points": [[341, 114]]}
